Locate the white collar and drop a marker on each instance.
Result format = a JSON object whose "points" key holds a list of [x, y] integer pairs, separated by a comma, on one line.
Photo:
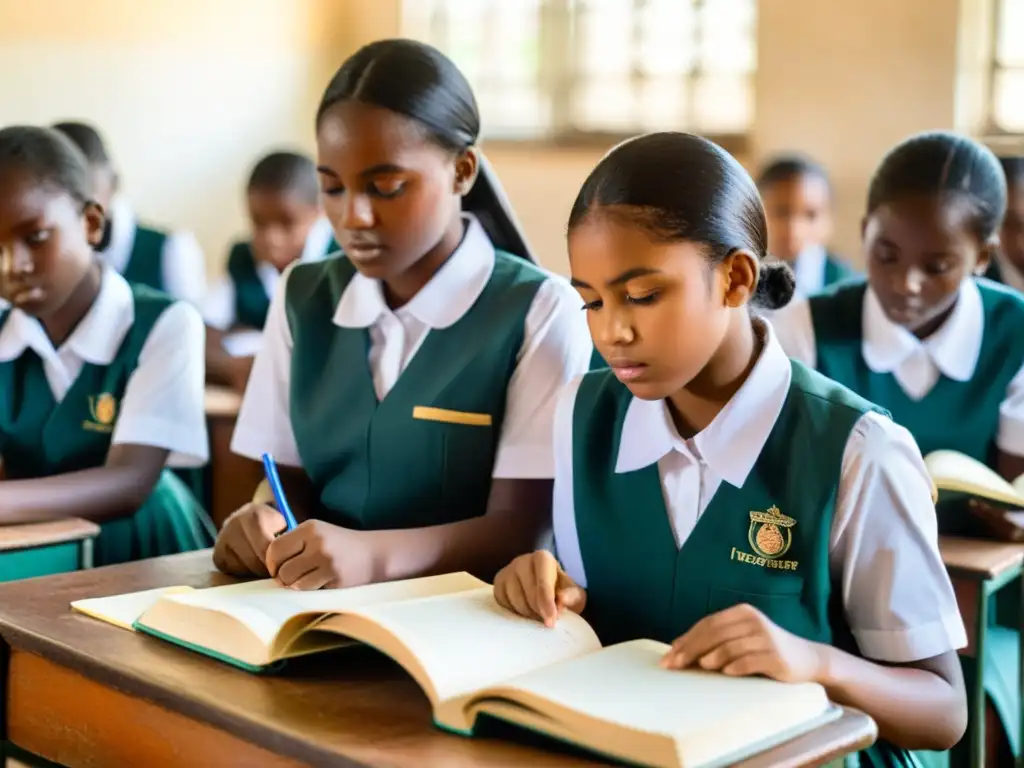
{"points": [[446, 297], [733, 441], [122, 234], [809, 269], [96, 339], [954, 348]]}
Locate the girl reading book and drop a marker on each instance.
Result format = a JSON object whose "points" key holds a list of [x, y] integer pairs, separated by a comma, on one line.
{"points": [[410, 383], [101, 383], [709, 491], [923, 338]]}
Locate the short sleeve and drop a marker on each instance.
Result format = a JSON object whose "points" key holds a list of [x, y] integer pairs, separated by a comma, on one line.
{"points": [[794, 329], [898, 598], [556, 347], [563, 510], [184, 268], [163, 402], [219, 304], [1010, 437], [264, 422]]}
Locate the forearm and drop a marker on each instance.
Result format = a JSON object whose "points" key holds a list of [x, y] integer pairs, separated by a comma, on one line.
{"points": [[914, 708], [99, 494], [481, 545]]}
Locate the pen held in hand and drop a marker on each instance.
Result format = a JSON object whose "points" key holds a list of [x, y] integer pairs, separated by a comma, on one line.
{"points": [[270, 469]]}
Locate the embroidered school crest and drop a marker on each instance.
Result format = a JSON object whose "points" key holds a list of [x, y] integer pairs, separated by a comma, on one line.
{"points": [[770, 533], [103, 409]]}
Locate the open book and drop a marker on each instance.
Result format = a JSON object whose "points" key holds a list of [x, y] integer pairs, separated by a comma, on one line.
{"points": [[472, 658], [958, 473]]}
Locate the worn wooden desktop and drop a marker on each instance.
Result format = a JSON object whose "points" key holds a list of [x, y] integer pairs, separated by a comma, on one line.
{"points": [[232, 478], [979, 569], [80, 692]]}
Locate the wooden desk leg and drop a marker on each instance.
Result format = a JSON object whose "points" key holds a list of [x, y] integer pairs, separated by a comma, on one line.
{"points": [[978, 694], [1020, 758], [85, 554]]}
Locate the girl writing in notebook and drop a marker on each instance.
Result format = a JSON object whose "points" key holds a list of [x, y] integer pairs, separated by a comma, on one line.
{"points": [[101, 383], [409, 384], [942, 351], [710, 493]]}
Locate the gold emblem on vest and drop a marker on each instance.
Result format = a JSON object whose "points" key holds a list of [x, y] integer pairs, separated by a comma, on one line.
{"points": [[103, 410], [770, 536]]}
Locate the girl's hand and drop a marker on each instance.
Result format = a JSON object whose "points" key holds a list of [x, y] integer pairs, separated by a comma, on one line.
{"points": [[241, 546], [743, 641], [535, 586], [317, 555]]}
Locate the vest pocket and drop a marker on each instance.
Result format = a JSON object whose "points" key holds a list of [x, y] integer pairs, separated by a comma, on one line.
{"points": [[468, 464]]}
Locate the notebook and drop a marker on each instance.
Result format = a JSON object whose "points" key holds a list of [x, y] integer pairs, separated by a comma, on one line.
{"points": [[473, 658]]}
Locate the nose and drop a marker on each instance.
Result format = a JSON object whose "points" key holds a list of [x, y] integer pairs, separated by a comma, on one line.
{"points": [[17, 260], [357, 212], [612, 327], [911, 283]]}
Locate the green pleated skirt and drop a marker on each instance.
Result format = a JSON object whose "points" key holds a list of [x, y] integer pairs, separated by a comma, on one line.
{"points": [[171, 521]]}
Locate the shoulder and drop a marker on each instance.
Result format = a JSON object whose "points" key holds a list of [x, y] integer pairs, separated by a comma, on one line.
{"points": [[175, 330], [819, 387], [240, 253], [998, 297], [305, 279]]}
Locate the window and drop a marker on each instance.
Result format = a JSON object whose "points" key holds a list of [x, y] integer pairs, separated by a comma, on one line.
{"points": [[563, 68], [1007, 105]]}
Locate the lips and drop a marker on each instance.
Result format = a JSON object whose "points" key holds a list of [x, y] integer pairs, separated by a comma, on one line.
{"points": [[627, 370]]}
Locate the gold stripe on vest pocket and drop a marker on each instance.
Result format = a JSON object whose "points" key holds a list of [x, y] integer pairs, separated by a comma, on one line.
{"points": [[451, 417]]}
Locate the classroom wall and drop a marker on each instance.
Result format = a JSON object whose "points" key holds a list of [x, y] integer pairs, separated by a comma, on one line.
{"points": [[846, 81], [186, 91], [190, 91]]}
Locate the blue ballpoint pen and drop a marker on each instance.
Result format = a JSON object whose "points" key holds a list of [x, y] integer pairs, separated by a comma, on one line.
{"points": [[270, 468]]}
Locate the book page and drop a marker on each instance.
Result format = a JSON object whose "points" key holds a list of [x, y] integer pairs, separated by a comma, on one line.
{"points": [[707, 714], [265, 606], [955, 471], [467, 641], [123, 610]]}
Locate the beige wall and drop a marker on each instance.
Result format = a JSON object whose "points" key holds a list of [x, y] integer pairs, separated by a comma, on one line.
{"points": [[844, 81], [189, 92]]}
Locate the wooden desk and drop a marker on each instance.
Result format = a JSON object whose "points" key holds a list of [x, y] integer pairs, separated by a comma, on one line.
{"points": [[68, 546], [72, 682], [979, 569], [232, 478]]}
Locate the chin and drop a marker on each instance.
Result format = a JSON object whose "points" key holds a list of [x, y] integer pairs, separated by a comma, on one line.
{"points": [[648, 390]]}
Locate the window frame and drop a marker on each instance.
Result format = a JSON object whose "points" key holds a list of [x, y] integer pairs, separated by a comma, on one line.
{"points": [[992, 128], [556, 82]]}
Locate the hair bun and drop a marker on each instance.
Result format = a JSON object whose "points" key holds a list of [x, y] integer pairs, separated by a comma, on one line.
{"points": [[775, 285]]}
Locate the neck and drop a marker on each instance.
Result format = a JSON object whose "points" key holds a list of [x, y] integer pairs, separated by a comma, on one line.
{"points": [[400, 289], [61, 323], [696, 405], [936, 322]]}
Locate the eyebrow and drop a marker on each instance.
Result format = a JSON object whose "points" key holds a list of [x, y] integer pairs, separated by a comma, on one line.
{"points": [[375, 170], [625, 277]]}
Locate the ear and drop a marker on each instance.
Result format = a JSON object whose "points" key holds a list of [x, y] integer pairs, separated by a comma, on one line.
{"points": [[741, 270], [467, 166], [95, 220], [988, 251]]}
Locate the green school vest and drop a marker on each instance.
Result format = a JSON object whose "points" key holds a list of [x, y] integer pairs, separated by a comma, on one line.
{"points": [[765, 544], [41, 438], [955, 415], [145, 264], [836, 270], [387, 464], [251, 300], [961, 416]]}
